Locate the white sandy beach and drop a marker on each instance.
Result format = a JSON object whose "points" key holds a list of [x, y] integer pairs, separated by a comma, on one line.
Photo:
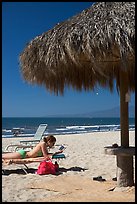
{"points": [[85, 160]]}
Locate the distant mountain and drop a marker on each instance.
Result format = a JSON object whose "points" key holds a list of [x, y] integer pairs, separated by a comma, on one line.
{"points": [[108, 113], [113, 112]]}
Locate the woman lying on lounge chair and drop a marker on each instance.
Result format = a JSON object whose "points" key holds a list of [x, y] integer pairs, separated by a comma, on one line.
{"points": [[40, 150]]}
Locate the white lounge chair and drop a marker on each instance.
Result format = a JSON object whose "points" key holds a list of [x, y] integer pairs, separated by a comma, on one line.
{"points": [[30, 143], [38, 135]]}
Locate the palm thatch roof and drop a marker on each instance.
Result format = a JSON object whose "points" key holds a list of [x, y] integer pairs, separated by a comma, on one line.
{"points": [[88, 49]]}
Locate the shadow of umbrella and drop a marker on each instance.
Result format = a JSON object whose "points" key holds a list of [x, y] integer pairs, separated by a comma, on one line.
{"points": [[95, 47]]}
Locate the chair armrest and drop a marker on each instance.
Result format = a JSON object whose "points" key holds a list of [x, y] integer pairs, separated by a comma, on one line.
{"points": [[27, 141]]}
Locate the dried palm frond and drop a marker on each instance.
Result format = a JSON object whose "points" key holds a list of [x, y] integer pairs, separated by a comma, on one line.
{"points": [[86, 50]]}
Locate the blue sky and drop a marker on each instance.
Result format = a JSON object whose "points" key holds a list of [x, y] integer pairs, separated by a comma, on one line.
{"points": [[21, 22]]}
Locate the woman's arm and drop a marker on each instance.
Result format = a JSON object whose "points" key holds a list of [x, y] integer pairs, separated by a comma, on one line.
{"points": [[60, 151], [45, 151]]}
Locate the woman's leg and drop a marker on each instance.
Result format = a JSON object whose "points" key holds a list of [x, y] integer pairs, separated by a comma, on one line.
{"points": [[11, 155]]}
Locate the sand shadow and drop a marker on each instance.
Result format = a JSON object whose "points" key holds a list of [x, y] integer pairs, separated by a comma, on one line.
{"points": [[23, 171], [75, 168]]}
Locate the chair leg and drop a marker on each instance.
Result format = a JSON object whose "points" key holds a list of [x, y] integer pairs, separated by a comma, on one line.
{"points": [[25, 169]]}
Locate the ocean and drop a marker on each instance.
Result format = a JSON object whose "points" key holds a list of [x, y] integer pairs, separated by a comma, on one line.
{"points": [[57, 126]]}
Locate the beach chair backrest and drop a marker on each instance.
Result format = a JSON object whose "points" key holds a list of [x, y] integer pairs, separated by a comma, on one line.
{"points": [[40, 131]]}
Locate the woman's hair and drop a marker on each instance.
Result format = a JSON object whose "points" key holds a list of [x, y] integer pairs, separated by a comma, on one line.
{"points": [[49, 138]]}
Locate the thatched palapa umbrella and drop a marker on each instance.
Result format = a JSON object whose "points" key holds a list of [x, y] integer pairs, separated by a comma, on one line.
{"points": [[95, 47]]}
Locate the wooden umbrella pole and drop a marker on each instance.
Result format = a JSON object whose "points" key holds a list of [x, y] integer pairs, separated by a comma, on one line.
{"points": [[124, 161], [124, 122]]}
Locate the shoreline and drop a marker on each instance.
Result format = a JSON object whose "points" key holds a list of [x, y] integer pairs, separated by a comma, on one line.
{"points": [[85, 159], [31, 135]]}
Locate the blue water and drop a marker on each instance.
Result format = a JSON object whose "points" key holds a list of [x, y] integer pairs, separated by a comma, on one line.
{"points": [[63, 126]]}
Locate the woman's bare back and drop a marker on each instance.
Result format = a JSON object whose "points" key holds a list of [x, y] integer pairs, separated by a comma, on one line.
{"points": [[39, 147]]}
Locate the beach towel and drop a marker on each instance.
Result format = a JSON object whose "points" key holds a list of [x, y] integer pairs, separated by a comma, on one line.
{"points": [[47, 167]]}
